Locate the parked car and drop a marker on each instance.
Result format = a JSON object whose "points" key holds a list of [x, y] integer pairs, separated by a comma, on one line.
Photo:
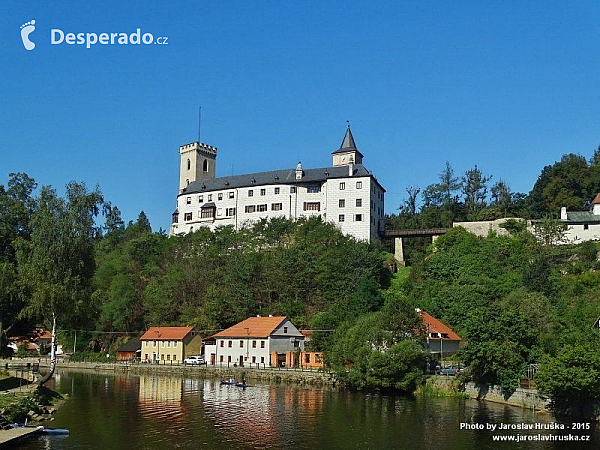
{"points": [[451, 370], [194, 360]]}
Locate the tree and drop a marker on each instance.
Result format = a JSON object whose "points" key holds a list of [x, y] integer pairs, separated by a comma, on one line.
{"points": [[410, 204], [143, 223], [549, 231], [501, 196], [474, 188], [57, 264]]}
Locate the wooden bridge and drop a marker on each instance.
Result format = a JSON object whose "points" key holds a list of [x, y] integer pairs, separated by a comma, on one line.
{"points": [[399, 235]]}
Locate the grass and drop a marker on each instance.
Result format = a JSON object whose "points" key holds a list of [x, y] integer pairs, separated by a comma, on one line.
{"points": [[427, 390]]}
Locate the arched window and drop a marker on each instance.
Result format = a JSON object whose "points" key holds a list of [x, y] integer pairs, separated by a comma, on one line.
{"points": [[189, 164], [205, 165], [187, 182]]}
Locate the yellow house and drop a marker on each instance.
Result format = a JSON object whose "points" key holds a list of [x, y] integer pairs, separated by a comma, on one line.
{"points": [[170, 345]]}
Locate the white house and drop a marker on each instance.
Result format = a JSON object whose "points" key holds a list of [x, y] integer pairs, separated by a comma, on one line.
{"points": [[582, 225], [257, 341], [346, 193]]}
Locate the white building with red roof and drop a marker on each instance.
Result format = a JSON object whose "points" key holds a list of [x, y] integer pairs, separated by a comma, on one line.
{"points": [[582, 226], [440, 337], [255, 342]]}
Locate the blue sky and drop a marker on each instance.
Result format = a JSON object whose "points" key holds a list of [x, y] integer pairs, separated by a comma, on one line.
{"points": [[505, 86]]}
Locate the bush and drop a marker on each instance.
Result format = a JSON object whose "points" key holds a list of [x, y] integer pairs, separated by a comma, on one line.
{"points": [[92, 357]]}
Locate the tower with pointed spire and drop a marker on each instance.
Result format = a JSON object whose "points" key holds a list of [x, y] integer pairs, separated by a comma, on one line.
{"points": [[347, 153]]}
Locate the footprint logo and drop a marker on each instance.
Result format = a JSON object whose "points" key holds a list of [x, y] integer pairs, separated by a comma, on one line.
{"points": [[26, 30]]}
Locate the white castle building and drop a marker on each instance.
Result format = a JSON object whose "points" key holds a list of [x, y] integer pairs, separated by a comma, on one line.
{"points": [[346, 193]]}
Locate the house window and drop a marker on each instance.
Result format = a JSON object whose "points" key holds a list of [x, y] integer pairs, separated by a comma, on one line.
{"points": [[230, 344], [220, 196], [187, 216], [293, 190], [263, 192], [174, 357], [276, 190], [188, 200], [168, 357], [342, 186], [147, 343], [222, 343], [307, 358], [153, 343], [254, 359], [162, 344], [162, 356], [241, 344], [174, 344], [250, 208], [262, 344], [200, 198], [312, 206], [341, 218], [262, 208], [276, 206], [168, 344], [231, 194], [262, 359], [358, 218], [207, 213], [253, 344], [230, 212], [229, 359], [285, 330], [359, 185], [342, 203], [221, 358], [210, 197], [250, 193], [586, 226], [313, 189], [358, 202]]}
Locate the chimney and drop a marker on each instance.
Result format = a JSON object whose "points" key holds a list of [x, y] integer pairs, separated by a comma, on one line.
{"points": [[299, 171], [270, 315], [563, 213]]}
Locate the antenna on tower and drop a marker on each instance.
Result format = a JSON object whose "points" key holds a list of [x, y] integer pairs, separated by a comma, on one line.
{"points": [[199, 122]]}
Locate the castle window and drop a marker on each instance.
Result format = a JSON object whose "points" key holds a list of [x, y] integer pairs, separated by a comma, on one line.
{"points": [[262, 208], [219, 212], [187, 182], [231, 194], [205, 165], [230, 212], [313, 189], [187, 217], [276, 206], [358, 218], [586, 226], [210, 197], [341, 218], [276, 190], [188, 200], [250, 193], [359, 185], [189, 164], [263, 192], [200, 198], [358, 202], [312, 206], [342, 186], [250, 209], [293, 190], [342, 203], [220, 196], [207, 213]]}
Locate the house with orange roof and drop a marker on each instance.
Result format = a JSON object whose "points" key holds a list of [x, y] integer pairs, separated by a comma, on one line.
{"points": [[169, 345], [581, 226], [441, 338], [254, 342]]}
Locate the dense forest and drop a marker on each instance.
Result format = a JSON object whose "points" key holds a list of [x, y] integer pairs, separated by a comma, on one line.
{"points": [[514, 300]]}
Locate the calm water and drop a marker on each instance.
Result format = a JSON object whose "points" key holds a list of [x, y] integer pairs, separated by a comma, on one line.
{"points": [[162, 412]]}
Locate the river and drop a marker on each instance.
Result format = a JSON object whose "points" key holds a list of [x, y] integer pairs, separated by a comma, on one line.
{"points": [[128, 411]]}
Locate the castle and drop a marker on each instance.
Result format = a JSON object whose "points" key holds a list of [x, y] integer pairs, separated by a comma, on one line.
{"points": [[346, 193]]}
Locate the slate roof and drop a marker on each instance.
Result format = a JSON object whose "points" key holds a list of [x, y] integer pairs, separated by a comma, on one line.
{"points": [[435, 326], [131, 346], [284, 176], [166, 333], [254, 327], [582, 216], [348, 144]]}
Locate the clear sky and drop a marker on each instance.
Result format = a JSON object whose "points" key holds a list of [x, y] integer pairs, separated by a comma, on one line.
{"points": [[498, 84]]}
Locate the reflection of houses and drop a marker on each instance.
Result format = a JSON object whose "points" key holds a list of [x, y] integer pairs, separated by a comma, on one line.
{"points": [[440, 338], [160, 389], [257, 340], [129, 351], [164, 345]]}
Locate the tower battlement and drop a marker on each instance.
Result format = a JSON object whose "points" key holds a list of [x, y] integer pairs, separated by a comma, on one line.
{"points": [[198, 146]]}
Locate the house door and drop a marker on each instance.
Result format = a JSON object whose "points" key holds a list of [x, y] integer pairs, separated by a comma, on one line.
{"points": [[213, 359], [153, 357], [241, 361]]}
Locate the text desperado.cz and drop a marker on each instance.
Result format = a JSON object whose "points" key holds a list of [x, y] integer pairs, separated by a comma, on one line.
{"points": [[58, 37]]}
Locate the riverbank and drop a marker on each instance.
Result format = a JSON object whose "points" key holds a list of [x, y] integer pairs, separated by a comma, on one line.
{"points": [[277, 375]]}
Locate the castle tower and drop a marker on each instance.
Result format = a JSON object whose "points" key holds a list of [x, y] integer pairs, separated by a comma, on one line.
{"points": [[197, 163], [347, 153]]}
